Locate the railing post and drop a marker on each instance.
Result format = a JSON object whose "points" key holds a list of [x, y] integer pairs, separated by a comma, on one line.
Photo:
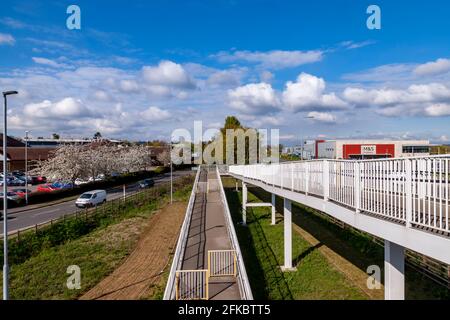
{"points": [[307, 169], [244, 203], [357, 184], [408, 192], [326, 179], [292, 176]]}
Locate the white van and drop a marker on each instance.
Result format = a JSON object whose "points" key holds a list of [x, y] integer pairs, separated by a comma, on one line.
{"points": [[91, 199]]}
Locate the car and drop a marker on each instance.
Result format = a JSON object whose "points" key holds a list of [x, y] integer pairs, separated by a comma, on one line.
{"points": [[12, 197], [38, 180], [62, 185], [16, 182], [146, 183], [79, 181], [91, 199], [45, 188], [22, 191]]}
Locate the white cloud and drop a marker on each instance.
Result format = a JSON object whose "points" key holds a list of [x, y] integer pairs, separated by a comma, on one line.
{"points": [[48, 62], [275, 59], [356, 45], [7, 39], [169, 74], [433, 68], [438, 110], [254, 98], [155, 114], [307, 93], [66, 108], [129, 86], [414, 94], [388, 72], [322, 117]]}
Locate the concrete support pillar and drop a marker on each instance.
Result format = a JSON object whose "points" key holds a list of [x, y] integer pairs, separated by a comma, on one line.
{"points": [[237, 186], [287, 236], [273, 209], [394, 271], [244, 203]]}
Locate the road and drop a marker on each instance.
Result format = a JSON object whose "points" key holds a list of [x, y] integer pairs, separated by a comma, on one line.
{"points": [[18, 218]]}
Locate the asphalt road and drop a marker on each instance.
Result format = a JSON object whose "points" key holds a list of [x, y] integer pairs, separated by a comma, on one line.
{"points": [[18, 218]]}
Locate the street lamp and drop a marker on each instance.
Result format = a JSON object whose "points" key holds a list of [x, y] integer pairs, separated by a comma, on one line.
{"points": [[26, 167], [171, 172], [5, 199]]}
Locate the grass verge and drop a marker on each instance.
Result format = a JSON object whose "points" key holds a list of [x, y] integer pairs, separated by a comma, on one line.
{"points": [[262, 250]]}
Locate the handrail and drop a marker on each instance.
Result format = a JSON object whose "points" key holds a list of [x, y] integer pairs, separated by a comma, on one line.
{"points": [[169, 293], [242, 278]]}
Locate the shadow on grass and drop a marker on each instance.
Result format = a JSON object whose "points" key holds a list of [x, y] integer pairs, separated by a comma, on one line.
{"points": [[260, 279]]}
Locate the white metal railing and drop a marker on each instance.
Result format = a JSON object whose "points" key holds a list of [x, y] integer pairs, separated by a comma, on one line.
{"points": [[415, 191], [170, 291], [241, 273], [222, 263], [191, 285]]}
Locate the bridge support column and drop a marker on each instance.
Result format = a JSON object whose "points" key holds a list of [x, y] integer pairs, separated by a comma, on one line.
{"points": [[394, 271], [244, 203], [287, 236], [273, 209]]}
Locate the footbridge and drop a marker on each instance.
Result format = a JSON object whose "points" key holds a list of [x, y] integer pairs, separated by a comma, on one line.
{"points": [[404, 201], [207, 264]]}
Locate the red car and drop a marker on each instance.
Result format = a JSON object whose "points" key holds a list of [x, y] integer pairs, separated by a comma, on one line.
{"points": [[45, 188], [21, 192]]}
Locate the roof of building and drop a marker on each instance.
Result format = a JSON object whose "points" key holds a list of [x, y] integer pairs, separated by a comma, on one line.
{"points": [[11, 142], [18, 153]]}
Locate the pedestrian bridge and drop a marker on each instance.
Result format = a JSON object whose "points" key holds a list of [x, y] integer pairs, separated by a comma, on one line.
{"points": [[404, 201], [207, 263]]}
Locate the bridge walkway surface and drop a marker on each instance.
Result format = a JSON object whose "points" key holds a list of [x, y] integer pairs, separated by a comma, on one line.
{"points": [[208, 231]]}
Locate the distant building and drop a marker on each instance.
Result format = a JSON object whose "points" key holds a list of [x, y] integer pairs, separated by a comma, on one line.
{"points": [[54, 143], [370, 149]]}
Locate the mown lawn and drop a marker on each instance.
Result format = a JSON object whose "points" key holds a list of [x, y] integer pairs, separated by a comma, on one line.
{"points": [[98, 253], [262, 249]]}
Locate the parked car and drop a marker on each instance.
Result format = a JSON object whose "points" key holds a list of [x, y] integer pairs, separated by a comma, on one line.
{"points": [[16, 182], [62, 185], [12, 197], [22, 191], [146, 183], [79, 181], [91, 198], [38, 180], [45, 188]]}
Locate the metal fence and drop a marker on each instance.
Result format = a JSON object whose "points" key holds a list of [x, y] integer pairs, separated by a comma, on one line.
{"points": [[413, 191], [170, 291], [222, 263], [241, 273], [191, 285]]}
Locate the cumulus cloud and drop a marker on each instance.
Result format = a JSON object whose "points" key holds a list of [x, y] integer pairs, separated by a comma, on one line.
{"points": [[414, 94], [168, 73], [7, 39], [155, 114], [307, 93], [322, 117], [66, 108], [433, 68], [275, 59], [254, 98]]}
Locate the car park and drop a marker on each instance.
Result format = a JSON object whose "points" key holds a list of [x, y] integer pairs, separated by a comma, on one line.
{"points": [[38, 180], [12, 197], [91, 199]]}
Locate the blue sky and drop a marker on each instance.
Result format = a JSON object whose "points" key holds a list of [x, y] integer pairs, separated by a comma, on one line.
{"points": [[140, 69]]}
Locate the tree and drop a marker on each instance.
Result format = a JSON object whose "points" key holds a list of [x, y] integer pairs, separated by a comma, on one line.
{"points": [[97, 135], [55, 136]]}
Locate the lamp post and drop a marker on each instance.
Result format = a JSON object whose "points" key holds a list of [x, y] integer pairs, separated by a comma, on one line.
{"points": [[171, 172], [26, 167], [5, 199]]}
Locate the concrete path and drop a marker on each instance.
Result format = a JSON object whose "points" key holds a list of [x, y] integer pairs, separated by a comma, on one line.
{"points": [[208, 232]]}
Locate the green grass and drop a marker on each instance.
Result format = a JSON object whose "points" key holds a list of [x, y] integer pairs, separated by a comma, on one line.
{"points": [[98, 253], [262, 249]]}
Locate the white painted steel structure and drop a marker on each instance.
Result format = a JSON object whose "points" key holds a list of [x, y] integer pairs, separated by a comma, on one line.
{"points": [[405, 201]]}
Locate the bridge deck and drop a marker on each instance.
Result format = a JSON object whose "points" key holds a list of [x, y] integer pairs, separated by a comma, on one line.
{"points": [[207, 231]]}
